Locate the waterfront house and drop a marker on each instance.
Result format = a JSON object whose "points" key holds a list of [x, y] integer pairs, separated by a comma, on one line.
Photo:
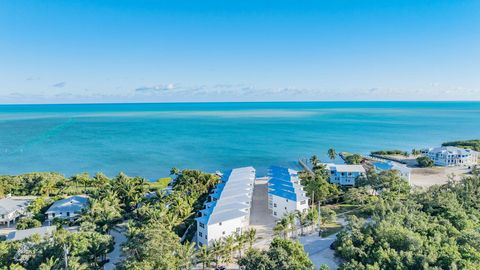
{"points": [[452, 156], [343, 174], [67, 208], [23, 234], [11, 209], [285, 193], [227, 210], [403, 170]]}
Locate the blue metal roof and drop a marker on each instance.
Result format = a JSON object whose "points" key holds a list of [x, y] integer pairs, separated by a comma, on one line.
{"points": [[280, 183], [284, 194]]}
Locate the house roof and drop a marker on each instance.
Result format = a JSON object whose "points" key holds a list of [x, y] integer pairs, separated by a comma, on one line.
{"points": [[232, 196], [9, 205], [71, 204], [22, 234], [284, 183], [385, 166], [451, 150], [345, 168]]}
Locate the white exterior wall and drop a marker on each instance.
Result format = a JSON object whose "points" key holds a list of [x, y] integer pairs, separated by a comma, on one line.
{"points": [[281, 206], [214, 232], [62, 215], [8, 218], [447, 159]]}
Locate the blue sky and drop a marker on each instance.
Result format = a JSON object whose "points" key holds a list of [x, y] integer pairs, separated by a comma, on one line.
{"points": [[134, 51]]}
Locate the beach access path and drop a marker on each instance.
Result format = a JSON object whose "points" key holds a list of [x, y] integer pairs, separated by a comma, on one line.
{"points": [[118, 234]]}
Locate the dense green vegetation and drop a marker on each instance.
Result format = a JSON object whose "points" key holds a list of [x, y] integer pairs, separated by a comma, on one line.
{"points": [[469, 144], [353, 159], [86, 250], [390, 152], [282, 255], [409, 229], [316, 185], [52, 184], [425, 162]]}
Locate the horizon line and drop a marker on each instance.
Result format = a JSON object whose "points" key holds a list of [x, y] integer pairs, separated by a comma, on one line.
{"points": [[213, 102]]}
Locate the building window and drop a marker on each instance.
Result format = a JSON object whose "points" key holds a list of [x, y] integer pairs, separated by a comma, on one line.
{"points": [[274, 205], [286, 200], [285, 208], [202, 225], [274, 213], [223, 232], [220, 224], [200, 234]]}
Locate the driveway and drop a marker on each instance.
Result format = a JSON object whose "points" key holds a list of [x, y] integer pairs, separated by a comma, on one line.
{"points": [[116, 255], [319, 251], [261, 218]]}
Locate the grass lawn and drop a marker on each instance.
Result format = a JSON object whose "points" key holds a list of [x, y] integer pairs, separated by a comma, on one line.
{"points": [[159, 184]]}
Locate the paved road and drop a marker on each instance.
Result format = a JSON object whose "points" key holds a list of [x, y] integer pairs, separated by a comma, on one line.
{"points": [[261, 218], [319, 251]]}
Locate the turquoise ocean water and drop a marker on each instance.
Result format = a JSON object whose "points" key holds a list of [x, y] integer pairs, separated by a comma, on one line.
{"points": [[148, 139]]}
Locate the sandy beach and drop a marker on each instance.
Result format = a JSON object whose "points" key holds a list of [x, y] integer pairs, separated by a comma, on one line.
{"points": [[425, 177]]}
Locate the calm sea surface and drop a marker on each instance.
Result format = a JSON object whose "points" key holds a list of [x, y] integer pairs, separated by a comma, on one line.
{"points": [[148, 139]]}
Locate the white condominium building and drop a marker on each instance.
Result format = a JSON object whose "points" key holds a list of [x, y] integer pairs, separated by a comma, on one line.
{"points": [[344, 174], [452, 156], [285, 193], [227, 211]]}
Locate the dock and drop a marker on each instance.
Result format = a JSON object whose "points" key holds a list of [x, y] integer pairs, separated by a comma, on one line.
{"points": [[304, 165]]}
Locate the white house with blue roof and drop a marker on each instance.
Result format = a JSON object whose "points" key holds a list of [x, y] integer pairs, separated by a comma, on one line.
{"points": [[285, 193], [227, 210]]}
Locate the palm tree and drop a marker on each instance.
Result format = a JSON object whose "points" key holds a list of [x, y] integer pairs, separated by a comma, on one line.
{"points": [[314, 160], [105, 212], [174, 171], [186, 255], [83, 179], [312, 216], [240, 239], [251, 236], [281, 228], [228, 248], [171, 220], [100, 180], [49, 264], [303, 220], [332, 154], [291, 221], [204, 255], [217, 250]]}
